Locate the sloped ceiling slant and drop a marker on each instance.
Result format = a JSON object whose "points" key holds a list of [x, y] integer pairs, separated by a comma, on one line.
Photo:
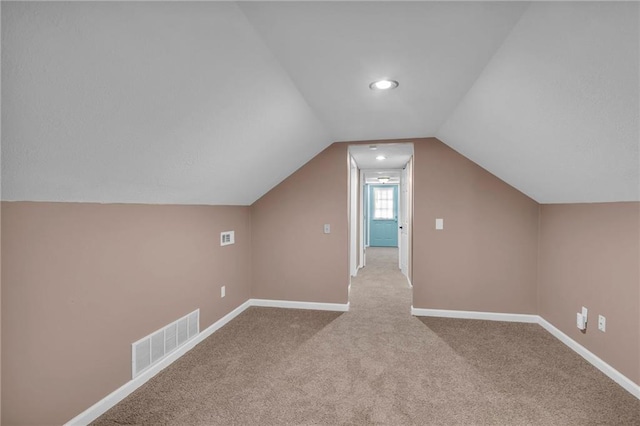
{"points": [[215, 103], [556, 111], [170, 103], [333, 50]]}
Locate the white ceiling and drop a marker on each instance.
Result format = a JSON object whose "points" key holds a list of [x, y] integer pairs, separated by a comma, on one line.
{"points": [[176, 103], [333, 50], [556, 111], [215, 103], [396, 155], [371, 176]]}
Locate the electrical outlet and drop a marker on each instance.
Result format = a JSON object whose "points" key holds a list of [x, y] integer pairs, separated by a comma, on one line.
{"points": [[602, 323], [327, 228], [222, 291]]}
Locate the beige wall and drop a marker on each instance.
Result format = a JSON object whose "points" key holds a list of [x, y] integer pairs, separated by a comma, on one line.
{"points": [[81, 282], [292, 258], [485, 259], [0, 317], [589, 256], [76, 278]]}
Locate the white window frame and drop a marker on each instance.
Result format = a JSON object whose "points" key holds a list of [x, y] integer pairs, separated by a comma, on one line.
{"points": [[383, 195]]}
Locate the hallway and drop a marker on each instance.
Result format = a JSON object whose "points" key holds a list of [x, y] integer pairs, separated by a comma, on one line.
{"points": [[381, 285]]}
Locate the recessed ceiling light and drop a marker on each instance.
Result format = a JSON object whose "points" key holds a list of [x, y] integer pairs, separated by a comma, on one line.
{"points": [[373, 147], [383, 85], [381, 157], [384, 179]]}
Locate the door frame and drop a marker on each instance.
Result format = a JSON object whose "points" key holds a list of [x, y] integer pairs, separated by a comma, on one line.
{"points": [[362, 222], [362, 232], [403, 221], [406, 182], [353, 216]]}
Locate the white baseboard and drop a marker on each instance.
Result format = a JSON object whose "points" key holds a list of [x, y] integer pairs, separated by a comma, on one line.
{"points": [[612, 373], [288, 304], [100, 407], [490, 316], [607, 369]]}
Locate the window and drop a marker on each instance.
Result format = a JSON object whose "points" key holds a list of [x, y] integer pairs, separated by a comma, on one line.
{"points": [[383, 203]]}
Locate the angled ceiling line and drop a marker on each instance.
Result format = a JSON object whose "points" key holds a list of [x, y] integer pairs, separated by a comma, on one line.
{"points": [[326, 128], [481, 73]]}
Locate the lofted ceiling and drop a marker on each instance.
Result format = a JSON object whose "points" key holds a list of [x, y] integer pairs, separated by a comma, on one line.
{"points": [[217, 102], [556, 112], [333, 50], [136, 102]]}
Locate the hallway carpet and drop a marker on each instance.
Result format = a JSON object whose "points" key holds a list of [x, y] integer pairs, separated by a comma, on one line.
{"points": [[376, 364]]}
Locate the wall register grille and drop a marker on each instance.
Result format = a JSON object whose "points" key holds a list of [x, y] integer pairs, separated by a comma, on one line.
{"points": [[227, 237], [153, 348]]}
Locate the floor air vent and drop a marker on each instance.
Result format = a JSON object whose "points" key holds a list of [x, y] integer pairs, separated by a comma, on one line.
{"points": [[151, 349]]}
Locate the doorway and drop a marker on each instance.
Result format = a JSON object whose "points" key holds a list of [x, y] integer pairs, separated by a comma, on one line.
{"points": [[380, 202]]}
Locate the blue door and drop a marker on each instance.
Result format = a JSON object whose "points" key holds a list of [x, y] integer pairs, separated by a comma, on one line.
{"points": [[383, 215]]}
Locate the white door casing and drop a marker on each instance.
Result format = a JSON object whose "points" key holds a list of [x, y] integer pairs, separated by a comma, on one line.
{"points": [[403, 221], [353, 219]]}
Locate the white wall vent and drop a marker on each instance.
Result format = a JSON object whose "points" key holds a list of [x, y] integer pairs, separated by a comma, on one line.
{"points": [[151, 349], [227, 237]]}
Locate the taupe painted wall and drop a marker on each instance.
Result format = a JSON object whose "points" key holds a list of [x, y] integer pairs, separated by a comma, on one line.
{"points": [[0, 316], [485, 259], [75, 277], [589, 256], [81, 282], [292, 258]]}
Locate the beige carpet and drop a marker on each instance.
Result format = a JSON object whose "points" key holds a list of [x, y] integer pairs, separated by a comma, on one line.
{"points": [[376, 365]]}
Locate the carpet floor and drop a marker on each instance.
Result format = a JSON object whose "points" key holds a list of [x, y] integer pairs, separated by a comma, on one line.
{"points": [[376, 364]]}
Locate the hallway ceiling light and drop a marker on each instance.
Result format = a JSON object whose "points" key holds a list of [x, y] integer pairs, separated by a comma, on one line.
{"points": [[383, 85], [384, 179], [373, 147], [381, 157]]}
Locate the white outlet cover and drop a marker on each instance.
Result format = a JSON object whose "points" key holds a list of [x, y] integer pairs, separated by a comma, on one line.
{"points": [[439, 224], [327, 228], [585, 314], [602, 323], [580, 322], [222, 291]]}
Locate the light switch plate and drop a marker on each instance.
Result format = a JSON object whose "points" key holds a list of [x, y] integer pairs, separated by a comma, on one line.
{"points": [[327, 228], [580, 323], [439, 224]]}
